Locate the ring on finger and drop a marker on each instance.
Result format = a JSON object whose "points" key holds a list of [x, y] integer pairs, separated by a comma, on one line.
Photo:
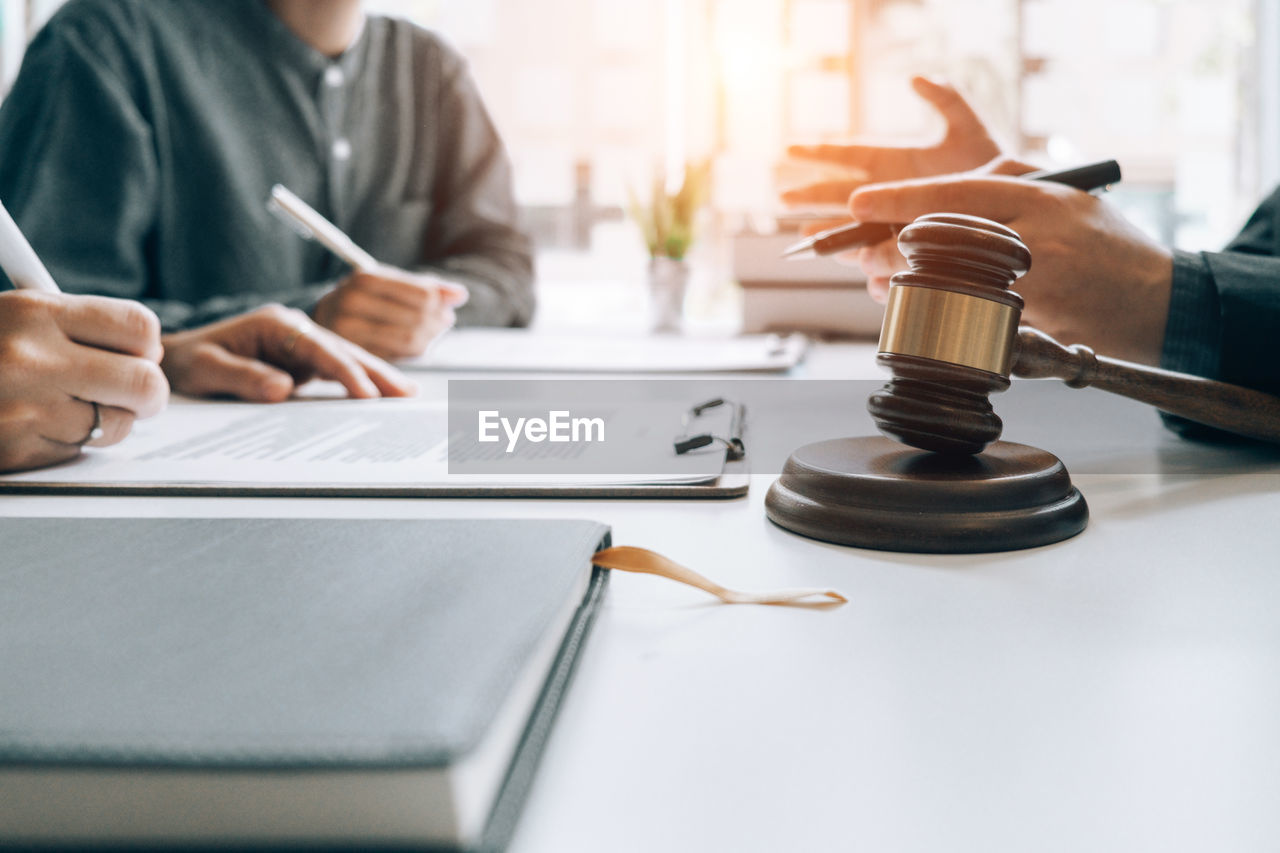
{"points": [[96, 431], [297, 334]]}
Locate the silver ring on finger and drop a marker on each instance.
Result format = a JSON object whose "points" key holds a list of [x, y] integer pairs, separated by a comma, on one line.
{"points": [[298, 333], [96, 431]]}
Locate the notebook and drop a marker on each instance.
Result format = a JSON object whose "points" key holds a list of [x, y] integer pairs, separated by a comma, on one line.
{"points": [[283, 681]]}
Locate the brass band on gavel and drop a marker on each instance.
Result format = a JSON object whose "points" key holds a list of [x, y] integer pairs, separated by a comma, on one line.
{"points": [[949, 326]]}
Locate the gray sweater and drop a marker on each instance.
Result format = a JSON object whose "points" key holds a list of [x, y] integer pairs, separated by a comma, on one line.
{"points": [[141, 139]]}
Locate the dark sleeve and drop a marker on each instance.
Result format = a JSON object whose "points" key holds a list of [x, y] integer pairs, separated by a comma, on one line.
{"points": [[79, 172], [476, 236], [1193, 331], [1224, 310], [176, 316]]}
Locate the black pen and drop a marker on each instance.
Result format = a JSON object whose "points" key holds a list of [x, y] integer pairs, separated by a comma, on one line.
{"points": [[853, 235]]}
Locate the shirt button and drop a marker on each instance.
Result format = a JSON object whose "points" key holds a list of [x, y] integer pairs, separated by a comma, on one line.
{"points": [[334, 77], [341, 149]]}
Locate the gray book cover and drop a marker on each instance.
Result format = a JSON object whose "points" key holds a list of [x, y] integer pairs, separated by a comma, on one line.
{"points": [[282, 680]]}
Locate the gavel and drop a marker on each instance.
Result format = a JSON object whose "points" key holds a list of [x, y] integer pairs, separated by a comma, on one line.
{"points": [[951, 336]]}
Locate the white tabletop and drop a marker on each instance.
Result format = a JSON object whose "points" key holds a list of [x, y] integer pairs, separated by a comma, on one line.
{"points": [[1117, 691]]}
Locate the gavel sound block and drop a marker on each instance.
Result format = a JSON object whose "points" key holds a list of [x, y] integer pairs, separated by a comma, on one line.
{"points": [[950, 338]]}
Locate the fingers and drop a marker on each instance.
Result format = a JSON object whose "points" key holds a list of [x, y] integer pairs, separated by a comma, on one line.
{"points": [[115, 324], [1007, 166], [389, 381], [998, 198], [382, 339], [116, 424], [394, 341], [955, 110], [452, 294], [70, 421], [878, 288], [29, 451], [325, 355], [329, 357], [408, 289], [398, 291], [848, 156], [210, 370], [377, 309], [824, 192], [817, 226], [263, 355], [35, 433], [114, 380], [881, 260], [392, 313]]}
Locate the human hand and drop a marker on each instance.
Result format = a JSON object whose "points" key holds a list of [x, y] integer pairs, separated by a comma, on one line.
{"points": [[62, 357], [1095, 278], [390, 312], [965, 144], [880, 261], [265, 354]]}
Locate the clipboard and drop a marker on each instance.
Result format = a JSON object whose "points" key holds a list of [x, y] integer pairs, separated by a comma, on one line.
{"points": [[195, 449]]}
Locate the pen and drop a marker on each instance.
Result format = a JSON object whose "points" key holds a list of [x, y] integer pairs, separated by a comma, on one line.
{"points": [[853, 235], [310, 224], [19, 260]]}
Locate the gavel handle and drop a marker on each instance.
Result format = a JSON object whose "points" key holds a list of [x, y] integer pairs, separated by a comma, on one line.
{"points": [[1229, 407]]}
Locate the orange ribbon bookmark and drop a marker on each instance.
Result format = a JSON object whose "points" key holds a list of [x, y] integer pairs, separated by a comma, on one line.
{"points": [[625, 558]]}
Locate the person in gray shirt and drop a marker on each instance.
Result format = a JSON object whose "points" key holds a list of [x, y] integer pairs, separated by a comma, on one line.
{"points": [[141, 140]]}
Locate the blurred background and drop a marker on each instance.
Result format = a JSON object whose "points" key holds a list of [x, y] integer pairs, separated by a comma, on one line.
{"points": [[594, 96]]}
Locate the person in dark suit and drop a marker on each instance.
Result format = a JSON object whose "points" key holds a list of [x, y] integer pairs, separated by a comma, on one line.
{"points": [[1095, 278]]}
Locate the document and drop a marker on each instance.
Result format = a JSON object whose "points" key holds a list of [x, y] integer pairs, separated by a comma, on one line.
{"points": [[521, 350], [353, 445]]}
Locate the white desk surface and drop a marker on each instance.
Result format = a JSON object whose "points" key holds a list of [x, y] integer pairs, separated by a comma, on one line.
{"points": [[1117, 691]]}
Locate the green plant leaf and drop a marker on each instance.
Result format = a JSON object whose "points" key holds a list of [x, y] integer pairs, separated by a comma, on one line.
{"points": [[669, 222]]}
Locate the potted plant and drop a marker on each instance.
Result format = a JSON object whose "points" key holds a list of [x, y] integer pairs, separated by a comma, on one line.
{"points": [[669, 226]]}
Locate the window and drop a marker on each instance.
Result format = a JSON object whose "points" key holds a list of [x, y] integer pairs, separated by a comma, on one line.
{"points": [[593, 95]]}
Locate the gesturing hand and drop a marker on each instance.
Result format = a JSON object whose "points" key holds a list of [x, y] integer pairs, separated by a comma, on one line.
{"points": [[390, 312], [70, 365], [881, 261], [965, 144], [1094, 279], [265, 354]]}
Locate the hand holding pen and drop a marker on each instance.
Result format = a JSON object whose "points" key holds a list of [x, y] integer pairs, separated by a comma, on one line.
{"points": [[79, 370], [390, 312], [1094, 275], [857, 234]]}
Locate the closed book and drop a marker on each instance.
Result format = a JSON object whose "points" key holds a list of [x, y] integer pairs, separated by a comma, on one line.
{"points": [[817, 296], [283, 681]]}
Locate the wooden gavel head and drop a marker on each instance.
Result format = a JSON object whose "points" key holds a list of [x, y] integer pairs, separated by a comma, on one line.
{"points": [[949, 333]]}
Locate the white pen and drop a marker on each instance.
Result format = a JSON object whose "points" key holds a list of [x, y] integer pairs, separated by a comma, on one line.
{"points": [[303, 216], [19, 260]]}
